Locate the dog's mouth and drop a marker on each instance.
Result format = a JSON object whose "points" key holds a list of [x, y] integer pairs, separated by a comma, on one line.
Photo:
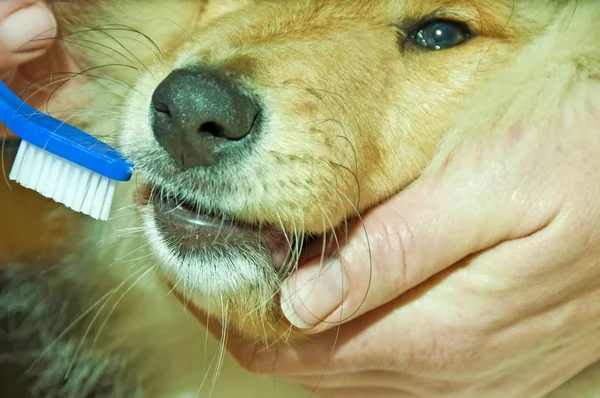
{"points": [[190, 230]]}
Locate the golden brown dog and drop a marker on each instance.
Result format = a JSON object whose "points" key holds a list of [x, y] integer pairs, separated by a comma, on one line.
{"points": [[258, 130]]}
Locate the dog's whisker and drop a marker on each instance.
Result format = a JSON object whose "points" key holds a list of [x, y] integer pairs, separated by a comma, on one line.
{"points": [[223, 344], [120, 299], [89, 45], [93, 321], [78, 348], [104, 31], [368, 242], [207, 372], [71, 326]]}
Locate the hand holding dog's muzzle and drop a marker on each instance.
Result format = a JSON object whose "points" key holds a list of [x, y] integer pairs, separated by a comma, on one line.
{"points": [[439, 221], [481, 279], [477, 200]]}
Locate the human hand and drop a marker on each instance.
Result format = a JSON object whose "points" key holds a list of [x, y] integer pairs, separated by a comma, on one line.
{"points": [[26, 33], [480, 280], [28, 51]]}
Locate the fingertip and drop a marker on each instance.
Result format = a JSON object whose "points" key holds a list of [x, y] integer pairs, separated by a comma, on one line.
{"points": [[288, 308], [26, 33], [312, 294]]}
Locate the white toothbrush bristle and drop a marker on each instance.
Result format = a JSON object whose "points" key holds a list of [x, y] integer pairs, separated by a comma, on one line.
{"points": [[63, 181]]}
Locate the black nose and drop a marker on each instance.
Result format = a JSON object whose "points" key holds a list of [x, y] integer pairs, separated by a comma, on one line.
{"points": [[201, 116]]}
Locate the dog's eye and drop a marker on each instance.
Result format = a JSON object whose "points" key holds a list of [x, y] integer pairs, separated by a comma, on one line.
{"points": [[440, 35]]}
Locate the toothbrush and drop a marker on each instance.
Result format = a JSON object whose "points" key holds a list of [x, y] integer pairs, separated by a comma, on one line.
{"points": [[60, 161]]}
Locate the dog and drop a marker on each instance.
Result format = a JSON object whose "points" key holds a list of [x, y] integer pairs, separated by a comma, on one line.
{"points": [[259, 130]]}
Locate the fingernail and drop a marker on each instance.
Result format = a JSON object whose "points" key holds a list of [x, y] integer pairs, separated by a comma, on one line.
{"points": [[28, 29], [313, 293]]}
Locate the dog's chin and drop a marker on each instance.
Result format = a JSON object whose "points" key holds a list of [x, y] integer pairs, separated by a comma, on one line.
{"points": [[215, 261], [212, 257]]}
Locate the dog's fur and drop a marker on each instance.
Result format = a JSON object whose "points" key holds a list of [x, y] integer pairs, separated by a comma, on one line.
{"points": [[354, 111]]}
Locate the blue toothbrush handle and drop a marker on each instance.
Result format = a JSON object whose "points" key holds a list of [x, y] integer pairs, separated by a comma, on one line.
{"points": [[61, 139]]}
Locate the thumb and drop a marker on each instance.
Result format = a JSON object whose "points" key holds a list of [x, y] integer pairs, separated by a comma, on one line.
{"points": [[26, 30], [461, 208]]}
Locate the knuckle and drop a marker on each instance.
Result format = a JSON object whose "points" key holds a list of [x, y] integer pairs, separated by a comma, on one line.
{"points": [[380, 267], [395, 237]]}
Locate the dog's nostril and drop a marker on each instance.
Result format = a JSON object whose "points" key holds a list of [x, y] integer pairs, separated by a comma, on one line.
{"points": [[201, 116], [212, 128], [162, 108]]}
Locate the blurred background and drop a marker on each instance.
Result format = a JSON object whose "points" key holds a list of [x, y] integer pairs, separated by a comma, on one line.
{"points": [[33, 231]]}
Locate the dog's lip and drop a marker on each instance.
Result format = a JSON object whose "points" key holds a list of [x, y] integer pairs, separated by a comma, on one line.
{"points": [[185, 216], [193, 229]]}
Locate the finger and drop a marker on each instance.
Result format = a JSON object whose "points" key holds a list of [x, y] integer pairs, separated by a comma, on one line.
{"points": [[444, 217], [354, 347], [26, 31]]}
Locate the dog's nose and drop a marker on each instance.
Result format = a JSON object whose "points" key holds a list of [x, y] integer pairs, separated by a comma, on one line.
{"points": [[200, 116]]}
